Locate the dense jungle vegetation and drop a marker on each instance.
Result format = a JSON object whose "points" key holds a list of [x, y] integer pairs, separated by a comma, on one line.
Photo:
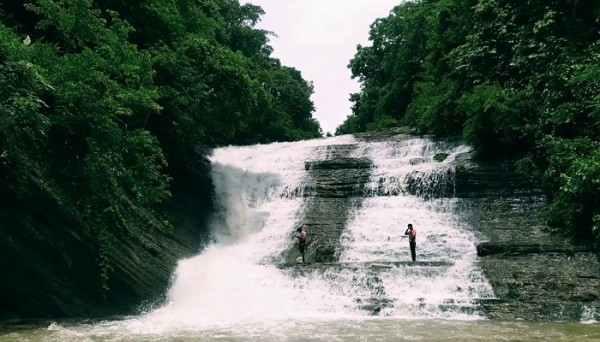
{"points": [[518, 78], [100, 98]]}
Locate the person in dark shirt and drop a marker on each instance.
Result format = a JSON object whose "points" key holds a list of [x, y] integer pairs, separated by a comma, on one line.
{"points": [[412, 240], [302, 240]]}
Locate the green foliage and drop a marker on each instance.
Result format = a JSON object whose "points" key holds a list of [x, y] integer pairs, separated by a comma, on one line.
{"points": [[433, 108], [388, 69], [574, 174], [23, 126], [96, 97], [512, 77], [493, 117], [440, 157]]}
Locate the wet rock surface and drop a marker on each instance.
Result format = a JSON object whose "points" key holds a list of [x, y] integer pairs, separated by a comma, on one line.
{"points": [[543, 287], [333, 187], [338, 183], [390, 134], [339, 164], [428, 185], [536, 275], [364, 265], [479, 178], [517, 248]]}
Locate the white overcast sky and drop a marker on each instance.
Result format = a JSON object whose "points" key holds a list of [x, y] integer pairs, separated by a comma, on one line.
{"points": [[319, 37]]}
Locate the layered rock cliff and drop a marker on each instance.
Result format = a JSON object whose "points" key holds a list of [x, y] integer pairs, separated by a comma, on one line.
{"points": [[49, 270], [536, 275]]}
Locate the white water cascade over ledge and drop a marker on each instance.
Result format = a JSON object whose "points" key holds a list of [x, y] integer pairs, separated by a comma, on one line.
{"points": [[259, 202]]}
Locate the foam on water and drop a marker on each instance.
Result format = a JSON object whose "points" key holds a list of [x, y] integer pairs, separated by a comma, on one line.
{"points": [[589, 315]]}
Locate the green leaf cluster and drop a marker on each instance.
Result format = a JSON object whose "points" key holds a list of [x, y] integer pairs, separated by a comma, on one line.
{"points": [[513, 78]]}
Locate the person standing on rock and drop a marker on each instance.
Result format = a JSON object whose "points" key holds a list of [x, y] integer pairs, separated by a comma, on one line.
{"points": [[302, 241], [412, 240]]}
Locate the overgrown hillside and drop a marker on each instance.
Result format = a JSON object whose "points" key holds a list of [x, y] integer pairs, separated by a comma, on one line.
{"points": [[513, 77], [100, 102]]}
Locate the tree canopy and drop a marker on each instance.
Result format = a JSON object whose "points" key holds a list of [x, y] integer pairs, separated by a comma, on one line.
{"points": [[99, 97], [513, 78]]}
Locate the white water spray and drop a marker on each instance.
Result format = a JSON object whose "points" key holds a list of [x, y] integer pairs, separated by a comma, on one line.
{"points": [[589, 315]]}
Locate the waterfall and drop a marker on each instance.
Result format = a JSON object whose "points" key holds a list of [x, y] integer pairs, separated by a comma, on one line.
{"points": [[261, 197], [443, 288]]}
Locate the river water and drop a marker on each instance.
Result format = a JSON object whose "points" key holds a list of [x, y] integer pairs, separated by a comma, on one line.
{"points": [[348, 329], [234, 291]]}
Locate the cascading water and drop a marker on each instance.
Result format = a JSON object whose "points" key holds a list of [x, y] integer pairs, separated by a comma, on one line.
{"points": [[260, 200], [447, 283], [382, 280], [259, 197]]}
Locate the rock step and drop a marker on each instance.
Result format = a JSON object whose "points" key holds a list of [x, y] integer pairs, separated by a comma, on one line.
{"points": [[337, 178], [340, 176], [546, 286], [368, 264], [336, 151], [339, 164], [330, 192], [489, 178], [387, 135], [540, 311], [521, 248], [375, 305]]}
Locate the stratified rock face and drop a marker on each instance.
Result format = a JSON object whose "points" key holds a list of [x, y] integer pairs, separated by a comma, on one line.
{"points": [[332, 188], [477, 178], [545, 286], [50, 271], [389, 134], [337, 179], [536, 275], [523, 249]]}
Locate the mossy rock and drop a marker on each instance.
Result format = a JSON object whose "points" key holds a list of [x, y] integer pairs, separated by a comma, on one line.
{"points": [[440, 157]]}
